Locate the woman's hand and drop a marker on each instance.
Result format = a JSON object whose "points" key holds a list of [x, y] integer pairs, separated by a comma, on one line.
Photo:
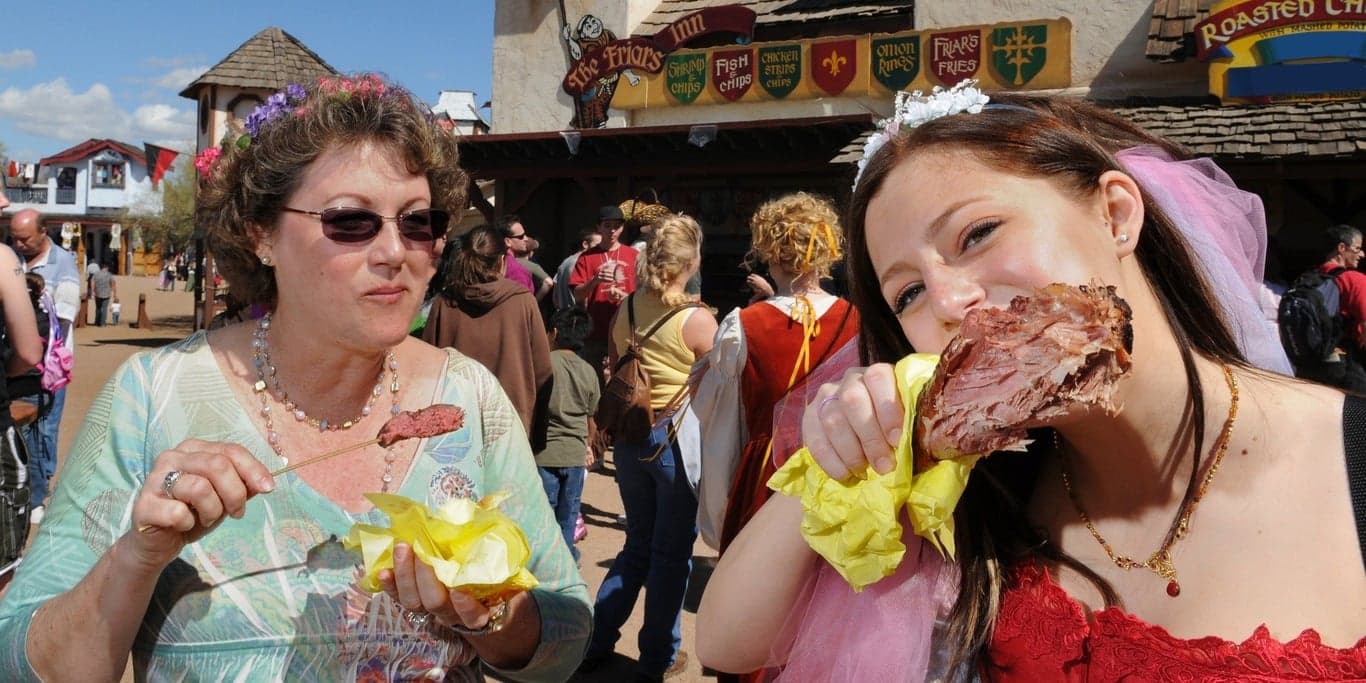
{"points": [[214, 480], [757, 284], [412, 584], [855, 423]]}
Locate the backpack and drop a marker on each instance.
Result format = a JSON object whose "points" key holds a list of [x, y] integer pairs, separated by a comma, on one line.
{"points": [[57, 359], [625, 409], [1308, 317]]}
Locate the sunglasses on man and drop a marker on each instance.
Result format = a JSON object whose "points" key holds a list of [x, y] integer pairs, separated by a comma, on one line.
{"points": [[350, 225]]}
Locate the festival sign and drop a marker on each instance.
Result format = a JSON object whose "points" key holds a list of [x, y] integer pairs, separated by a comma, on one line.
{"points": [[599, 59], [896, 61], [955, 56], [732, 72], [780, 69], [1284, 50], [1020, 55], [686, 75], [833, 64]]}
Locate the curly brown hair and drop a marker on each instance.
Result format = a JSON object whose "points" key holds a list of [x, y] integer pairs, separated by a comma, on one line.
{"points": [[782, 231], [241, 197]]}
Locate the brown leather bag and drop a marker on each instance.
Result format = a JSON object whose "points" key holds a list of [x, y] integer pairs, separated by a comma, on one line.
{"points": [[625, 409]]}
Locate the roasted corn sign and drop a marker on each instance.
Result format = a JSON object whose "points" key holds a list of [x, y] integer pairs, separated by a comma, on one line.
{"points": [[1027, 55], [1284, 50]]}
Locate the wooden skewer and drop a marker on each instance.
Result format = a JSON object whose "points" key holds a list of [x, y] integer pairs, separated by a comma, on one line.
{"points": [[324, 456], [147, 528]]}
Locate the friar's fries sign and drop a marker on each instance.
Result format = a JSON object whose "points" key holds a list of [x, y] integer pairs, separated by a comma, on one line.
{"points": [[1284, 50]]}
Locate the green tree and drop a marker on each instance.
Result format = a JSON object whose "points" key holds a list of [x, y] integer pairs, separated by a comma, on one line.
{"points": [[172, 222]]}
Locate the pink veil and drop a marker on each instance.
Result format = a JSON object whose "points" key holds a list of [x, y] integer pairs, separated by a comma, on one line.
{"points": [[886, 632], [1226, 229]]}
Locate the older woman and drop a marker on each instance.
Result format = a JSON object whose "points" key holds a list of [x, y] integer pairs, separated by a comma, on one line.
{"points": [[169, 537], [492, 319]]}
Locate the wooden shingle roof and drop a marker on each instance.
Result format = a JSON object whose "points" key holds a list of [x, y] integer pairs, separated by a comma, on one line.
{"points": [[1172, 27], [1292, 130], [1301, 130], [270, 59], [776, 11]]}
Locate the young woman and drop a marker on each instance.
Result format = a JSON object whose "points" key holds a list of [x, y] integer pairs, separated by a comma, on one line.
{"points": [[761, 352], [1204, 531], [661, 511]]}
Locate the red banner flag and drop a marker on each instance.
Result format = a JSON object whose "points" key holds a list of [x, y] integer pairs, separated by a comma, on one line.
{"points": [[158, 161]]}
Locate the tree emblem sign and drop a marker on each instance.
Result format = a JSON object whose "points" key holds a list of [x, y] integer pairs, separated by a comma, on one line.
{"points": [[1018, 53]]}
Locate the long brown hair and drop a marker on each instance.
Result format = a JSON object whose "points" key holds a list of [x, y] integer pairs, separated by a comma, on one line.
{"points": [[478, 260], [1072, 143]]}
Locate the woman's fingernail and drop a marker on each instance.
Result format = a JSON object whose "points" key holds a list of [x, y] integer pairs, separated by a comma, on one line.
{"points": [[265, 484], [884, 465], [894, 437]]}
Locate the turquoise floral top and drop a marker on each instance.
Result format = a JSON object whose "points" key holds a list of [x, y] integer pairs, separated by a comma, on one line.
{"points": [[274, 595]]}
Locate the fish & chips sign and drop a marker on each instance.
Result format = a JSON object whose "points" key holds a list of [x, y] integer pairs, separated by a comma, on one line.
{"points": [[1284, 50], [1008, 56]]}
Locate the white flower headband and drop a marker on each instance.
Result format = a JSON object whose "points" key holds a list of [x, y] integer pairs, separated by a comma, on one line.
{"points": [[916, 108]]}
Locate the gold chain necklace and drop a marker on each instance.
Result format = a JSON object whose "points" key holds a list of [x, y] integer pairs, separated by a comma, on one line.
{"points": [[1160, 562]]}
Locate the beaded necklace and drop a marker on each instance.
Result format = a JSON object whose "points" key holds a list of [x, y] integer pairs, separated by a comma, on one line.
{"points": [[267, 387]]}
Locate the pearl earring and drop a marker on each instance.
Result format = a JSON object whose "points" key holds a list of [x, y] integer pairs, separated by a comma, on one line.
{"points": [[265, 261], [1123, 237]]}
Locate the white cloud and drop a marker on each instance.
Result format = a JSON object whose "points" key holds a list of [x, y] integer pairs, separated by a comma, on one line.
{"points": [[53, 110], [17, 59], [176, 79]]}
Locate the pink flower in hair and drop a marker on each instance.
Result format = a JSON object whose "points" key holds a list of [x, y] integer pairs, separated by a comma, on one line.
{"points": [[204, 161]]}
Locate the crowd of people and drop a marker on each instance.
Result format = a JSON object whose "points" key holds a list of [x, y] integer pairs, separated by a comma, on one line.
{"points": [[171, 542]]}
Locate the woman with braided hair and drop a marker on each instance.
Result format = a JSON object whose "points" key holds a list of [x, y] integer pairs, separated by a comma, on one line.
{"points": [[762, 351]]}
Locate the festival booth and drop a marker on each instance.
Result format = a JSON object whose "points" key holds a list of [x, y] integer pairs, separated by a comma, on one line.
{"points": [[713, 111]]}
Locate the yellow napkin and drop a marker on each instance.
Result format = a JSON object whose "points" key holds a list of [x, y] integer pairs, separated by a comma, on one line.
{"points": [[855, 525], [473, 547]]}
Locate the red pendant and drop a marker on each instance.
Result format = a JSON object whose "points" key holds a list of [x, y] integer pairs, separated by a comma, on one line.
{"points": [[1173, 588]]}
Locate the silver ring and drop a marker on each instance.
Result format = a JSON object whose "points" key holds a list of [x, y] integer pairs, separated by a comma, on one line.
{"points": [[168, 484], [820, 407], [418, 619]]}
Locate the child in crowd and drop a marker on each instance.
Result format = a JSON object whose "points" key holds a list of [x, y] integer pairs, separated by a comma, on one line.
{"points": [[573, 400]]}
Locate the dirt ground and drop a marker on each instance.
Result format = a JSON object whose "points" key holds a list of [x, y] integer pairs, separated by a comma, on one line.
{"points": [[100, 350]]}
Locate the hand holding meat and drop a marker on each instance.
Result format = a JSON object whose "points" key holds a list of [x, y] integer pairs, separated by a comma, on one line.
{"points": [[1008, 370]]}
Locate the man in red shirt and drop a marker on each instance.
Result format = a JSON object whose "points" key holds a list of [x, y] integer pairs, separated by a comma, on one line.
{"points": [[602, 278], [1342, 256]]}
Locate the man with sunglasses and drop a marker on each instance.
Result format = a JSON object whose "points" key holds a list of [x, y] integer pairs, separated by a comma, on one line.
{"points": [[519, 243], [602, 278], [512, 231]]}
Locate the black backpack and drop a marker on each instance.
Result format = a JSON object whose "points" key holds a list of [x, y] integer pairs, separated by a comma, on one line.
{"points": [[1309, 319]]}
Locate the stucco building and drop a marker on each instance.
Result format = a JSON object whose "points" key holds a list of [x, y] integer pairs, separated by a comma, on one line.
{"points": [[597, 101]]}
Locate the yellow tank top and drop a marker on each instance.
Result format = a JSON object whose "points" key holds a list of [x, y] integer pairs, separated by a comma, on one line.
{"points": [[665, 357]]}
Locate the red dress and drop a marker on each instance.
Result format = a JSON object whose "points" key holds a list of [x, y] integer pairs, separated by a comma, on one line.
{"points": [[773, 341], [1041, 634]]}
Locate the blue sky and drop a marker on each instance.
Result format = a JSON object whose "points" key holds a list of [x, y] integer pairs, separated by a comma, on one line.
{"points": [[72, 71]]}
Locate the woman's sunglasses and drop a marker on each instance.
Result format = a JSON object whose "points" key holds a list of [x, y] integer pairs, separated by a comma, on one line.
{"points": [[349, 225]]}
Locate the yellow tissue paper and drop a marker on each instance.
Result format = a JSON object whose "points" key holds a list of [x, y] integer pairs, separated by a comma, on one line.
{"points": [[855, 525], [473, 547]]}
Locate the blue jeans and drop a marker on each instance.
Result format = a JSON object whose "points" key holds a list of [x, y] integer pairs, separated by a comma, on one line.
{"points": [[564, 489], [101, 309], [41, 438], [661, 526]]}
